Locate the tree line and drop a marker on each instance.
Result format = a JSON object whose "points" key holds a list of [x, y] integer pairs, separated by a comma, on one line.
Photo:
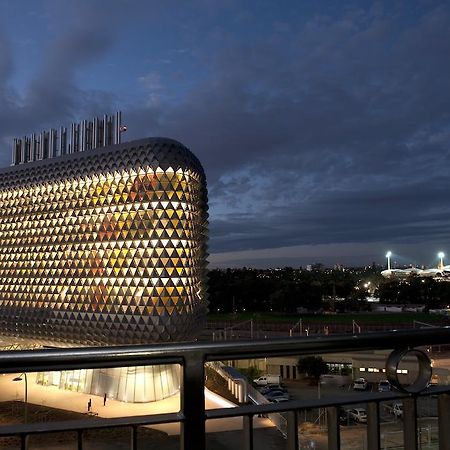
{"points": [[286, 290]]}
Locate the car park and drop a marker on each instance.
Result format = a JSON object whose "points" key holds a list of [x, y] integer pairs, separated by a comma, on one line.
{"points": [[283, 398], [335, 380], [277, 396], [384, 386], [264, 380], [272, 387], [357, 414], [274, 392], [343, 416], [360, 384]]}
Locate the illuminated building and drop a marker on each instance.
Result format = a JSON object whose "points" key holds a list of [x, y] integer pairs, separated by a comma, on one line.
{"points": [[104, 246]]}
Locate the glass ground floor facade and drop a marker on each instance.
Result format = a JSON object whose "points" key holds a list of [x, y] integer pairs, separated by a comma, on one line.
{"points": [[127, 384]]}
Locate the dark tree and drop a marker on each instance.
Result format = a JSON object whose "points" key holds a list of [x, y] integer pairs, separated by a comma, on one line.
{"points": [[312, 366]]}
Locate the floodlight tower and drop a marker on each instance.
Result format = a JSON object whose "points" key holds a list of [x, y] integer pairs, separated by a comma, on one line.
{"points": [[388, 256], [441, 256]]}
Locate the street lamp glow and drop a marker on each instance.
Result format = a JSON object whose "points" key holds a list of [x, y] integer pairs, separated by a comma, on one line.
{"points": [[441, 257], [388, 256]]}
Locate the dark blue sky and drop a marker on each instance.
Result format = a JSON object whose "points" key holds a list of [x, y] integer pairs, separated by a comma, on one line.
{"points": [[323, 127]]}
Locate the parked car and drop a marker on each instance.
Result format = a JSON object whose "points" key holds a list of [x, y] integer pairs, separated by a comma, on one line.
{"points": [[358, 415], [360, 384], [267, 379], [272, 387], [280, 399], [277, 396], [397, 409], [344, 418], [384, 386], [274, 392]]}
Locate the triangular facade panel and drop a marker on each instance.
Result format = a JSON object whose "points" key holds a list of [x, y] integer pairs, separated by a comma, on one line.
{"points": [[104, 247]]}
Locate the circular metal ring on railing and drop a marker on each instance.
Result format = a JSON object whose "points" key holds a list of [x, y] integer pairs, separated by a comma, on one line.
{"points": [[423, 377]]}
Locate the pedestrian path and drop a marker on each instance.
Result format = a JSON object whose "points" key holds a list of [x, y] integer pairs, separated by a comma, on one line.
{"points": [[54, 397]]}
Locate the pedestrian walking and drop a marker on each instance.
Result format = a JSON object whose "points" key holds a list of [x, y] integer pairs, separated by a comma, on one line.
{"points": [[104, 400], [89, 405]]}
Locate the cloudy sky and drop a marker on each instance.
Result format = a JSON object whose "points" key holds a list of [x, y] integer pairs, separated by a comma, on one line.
{"points": [[323, 126]]}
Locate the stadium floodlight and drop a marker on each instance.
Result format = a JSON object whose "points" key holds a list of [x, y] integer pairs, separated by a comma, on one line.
{"points": [[388, 256]]}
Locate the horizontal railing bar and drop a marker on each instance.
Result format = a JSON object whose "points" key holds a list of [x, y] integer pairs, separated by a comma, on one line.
{"points": [[291, 405], [89, 424], [176, 353], [328, 344]]}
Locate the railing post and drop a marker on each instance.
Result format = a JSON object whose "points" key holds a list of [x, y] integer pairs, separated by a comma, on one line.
{"points": [[248, 432], [334, 439], [24, 438], [133, 442], [292, 430], [193, 402], [79, 439], [373, 426], [410, 423], [444, 421]]}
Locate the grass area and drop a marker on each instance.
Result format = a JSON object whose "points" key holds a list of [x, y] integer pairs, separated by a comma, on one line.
{"points": [[361, 318]]}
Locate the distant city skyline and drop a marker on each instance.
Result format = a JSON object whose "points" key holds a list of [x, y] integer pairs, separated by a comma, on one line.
{"points": [[355, 255], [323, 127]]}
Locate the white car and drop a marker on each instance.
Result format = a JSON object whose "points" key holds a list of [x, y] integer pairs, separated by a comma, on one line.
{"points": [[264, 380], [358, 415], [360, 384]]}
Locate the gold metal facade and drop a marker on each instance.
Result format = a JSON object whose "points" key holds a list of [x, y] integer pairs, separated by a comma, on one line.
{"points": [[104, 247]]}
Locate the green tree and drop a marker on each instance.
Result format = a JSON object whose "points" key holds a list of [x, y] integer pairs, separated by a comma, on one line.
{"points": [[251, 373], [312, 366]]}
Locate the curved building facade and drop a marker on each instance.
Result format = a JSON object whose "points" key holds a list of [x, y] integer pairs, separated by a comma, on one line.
{"points": [[106, 246]]}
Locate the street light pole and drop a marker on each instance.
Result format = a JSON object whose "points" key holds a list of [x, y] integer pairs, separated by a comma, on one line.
{"points": [[26, 392], [318, 396], [441, 257], [300, 324], [388, 256]]}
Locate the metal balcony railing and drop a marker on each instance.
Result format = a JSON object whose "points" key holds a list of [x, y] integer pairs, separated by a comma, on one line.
{"points": [[193, 416]]}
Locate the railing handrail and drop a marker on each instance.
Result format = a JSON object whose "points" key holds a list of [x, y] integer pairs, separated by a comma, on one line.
{"points": [[87, 424], [176, 353]]}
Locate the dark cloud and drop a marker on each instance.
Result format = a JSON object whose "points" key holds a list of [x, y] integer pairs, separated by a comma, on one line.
{"points": [[83, 36], [82, 40], [7, 116], [324, 129], [344, 125], [6, 63]]}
